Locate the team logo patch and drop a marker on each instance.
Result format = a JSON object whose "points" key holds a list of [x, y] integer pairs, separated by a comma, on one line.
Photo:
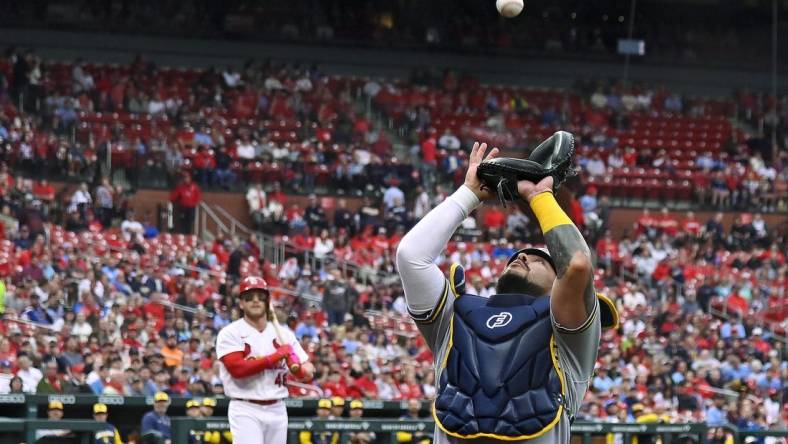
{"points": [[502, 319]]}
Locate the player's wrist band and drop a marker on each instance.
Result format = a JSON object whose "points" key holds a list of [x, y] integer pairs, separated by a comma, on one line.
{"points": [[548, 212]]}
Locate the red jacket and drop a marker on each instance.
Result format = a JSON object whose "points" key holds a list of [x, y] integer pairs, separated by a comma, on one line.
{"points": [[186, 195]]}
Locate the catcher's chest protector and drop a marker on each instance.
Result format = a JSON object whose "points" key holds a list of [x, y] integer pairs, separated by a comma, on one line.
{"points": [[500, 378]]}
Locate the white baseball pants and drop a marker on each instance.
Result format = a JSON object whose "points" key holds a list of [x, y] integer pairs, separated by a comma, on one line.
{"points": [[257, 424]]}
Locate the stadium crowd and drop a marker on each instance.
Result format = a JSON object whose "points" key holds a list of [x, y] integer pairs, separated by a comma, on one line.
{"points": [[294, 125], [94, 285]]}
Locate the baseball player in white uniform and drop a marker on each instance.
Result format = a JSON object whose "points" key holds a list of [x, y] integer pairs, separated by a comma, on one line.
{"points": [[254, 368]]}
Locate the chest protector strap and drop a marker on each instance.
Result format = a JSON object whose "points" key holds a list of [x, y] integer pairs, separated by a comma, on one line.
{"points": [[500, 377]]}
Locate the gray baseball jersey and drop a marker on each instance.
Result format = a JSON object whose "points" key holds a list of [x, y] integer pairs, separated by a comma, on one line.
{"points": [[431, 303]]}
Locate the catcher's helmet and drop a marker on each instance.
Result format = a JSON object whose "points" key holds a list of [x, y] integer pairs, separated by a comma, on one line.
{"points": [[608, 311], [253, 283], [541, 252]]}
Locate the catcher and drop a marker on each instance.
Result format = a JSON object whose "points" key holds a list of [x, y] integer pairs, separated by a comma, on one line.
{"points": [[515, 366]]}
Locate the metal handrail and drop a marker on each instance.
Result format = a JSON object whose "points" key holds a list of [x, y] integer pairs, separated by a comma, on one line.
{"points": [[347, 267], [204, 211], [234, 223], [280, 248], [26, 322]]}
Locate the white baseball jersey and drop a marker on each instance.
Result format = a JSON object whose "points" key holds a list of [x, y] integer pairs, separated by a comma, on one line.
{"points": [[266, 385]]}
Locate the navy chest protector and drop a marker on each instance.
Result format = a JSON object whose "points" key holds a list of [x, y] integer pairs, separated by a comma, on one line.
{"points": [[500, 377]]}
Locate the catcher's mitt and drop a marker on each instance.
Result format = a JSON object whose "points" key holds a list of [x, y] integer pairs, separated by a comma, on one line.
{"points": [[553, 157]]}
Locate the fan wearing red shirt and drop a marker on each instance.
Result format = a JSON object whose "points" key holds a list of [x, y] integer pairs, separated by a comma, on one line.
{"points": [[131, 338], [186, 196], [494, 220], [304, 240], [738, 303], [645, 222], [410, 388], [429, 156], [366, 386], [44, 190], [691, 225], [607, 249], [204, 164], [380, 243], [336, 385], [667, 223]]}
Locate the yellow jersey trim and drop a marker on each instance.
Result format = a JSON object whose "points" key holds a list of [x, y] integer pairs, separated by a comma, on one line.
{"points": [[547, 428], [452, 272], [438, 307], [611, 307]]}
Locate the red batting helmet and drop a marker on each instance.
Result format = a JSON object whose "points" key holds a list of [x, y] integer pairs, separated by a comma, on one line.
{"points": [[253, 283]]}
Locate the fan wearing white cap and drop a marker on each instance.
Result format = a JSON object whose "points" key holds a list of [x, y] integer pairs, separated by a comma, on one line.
{"points": [[513, 367]]}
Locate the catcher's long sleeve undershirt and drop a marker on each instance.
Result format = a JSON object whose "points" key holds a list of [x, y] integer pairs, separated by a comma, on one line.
{"points": [[422, 280]]}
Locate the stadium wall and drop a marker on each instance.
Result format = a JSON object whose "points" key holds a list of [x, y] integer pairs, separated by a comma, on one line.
{"points": [[493, 68]]}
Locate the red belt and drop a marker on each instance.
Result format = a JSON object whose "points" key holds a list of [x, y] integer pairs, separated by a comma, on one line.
{"points": [[258, 401]]}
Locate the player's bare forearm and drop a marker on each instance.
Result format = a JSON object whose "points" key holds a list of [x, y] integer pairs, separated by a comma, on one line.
{"points": [[574, 269], [572, 259]]}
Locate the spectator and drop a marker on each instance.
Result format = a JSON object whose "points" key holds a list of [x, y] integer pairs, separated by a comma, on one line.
{"points": [[133, 231], [223, 173], [246, 149], [81, 201], [343, 218], [82, 328], [65, 118], [82, 81], [186, 196], [324, 245], [16, 385], [232, 78], [338, 298], [595, 166], [449, 141], [494, 221], [30, 375], [307, 328], [116, 384], [78, 383], [6, 375], [314, 215], [393, 193], [716, 415], [104, 205], [52, 382], [98, 378], [368, 215], [173, 356], [256, 199]]}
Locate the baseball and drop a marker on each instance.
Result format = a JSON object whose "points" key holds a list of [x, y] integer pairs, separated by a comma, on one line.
{"points": [[509, 8]]}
